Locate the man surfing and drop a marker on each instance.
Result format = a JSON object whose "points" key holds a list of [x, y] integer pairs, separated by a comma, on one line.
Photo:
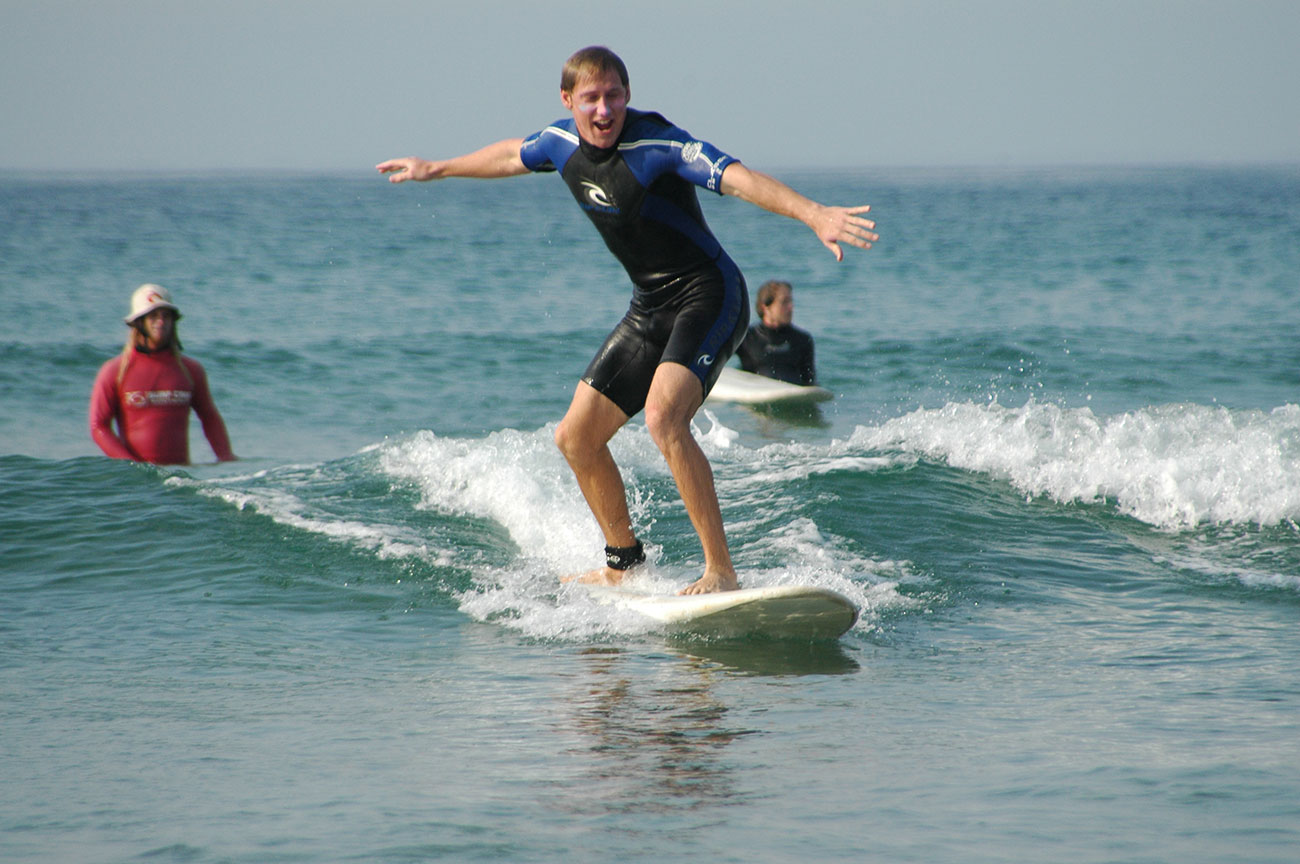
{"points": [[635, 174]]}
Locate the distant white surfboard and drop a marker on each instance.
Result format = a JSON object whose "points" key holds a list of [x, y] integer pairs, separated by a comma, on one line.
{"points": [[746, 388], [778, 611]]}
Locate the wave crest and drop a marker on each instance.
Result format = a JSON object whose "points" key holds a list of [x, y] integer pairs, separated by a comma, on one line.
{"points": [[1173, 466]]}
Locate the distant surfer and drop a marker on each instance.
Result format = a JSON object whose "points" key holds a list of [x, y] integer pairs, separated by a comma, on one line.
{"points": [[774, 347], [150, 388], [635, 174]]}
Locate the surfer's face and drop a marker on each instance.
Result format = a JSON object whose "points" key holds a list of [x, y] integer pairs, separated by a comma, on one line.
{"points": [[599, 106], [780, 312], [158, 327]]}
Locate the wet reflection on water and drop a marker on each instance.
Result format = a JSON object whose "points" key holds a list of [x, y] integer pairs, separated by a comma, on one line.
{"points": [[653, 733], [656, 738]]}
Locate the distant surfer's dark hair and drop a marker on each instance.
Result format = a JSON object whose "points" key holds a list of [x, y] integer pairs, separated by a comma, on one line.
{"points": [[592, 60], [767, 293]]}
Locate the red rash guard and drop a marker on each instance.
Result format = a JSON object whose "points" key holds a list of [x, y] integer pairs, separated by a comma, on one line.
{"points": [[151, 407]]}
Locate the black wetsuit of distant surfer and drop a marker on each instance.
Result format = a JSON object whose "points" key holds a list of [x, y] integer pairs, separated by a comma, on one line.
{"points": [[784, 353], [690, 305]]}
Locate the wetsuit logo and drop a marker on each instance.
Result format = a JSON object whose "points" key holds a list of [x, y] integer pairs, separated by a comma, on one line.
{"points": [[691, 151], [597, 198], [156, 398], [705, 360]]}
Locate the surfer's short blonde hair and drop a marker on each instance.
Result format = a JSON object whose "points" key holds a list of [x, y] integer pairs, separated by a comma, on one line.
{"points": [[592, 60]]}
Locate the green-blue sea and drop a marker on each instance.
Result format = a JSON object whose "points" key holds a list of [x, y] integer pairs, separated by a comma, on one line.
{"points": [[1060, 475]]}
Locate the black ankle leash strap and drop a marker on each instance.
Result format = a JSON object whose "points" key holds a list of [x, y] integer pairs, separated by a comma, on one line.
{"points": [[623, 557]]}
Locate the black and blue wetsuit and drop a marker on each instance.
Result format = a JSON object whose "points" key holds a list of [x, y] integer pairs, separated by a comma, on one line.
{"points": [[689, 305]]}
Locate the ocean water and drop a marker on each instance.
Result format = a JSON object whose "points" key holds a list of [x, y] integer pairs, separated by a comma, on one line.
{"points": [[1061, 476]]}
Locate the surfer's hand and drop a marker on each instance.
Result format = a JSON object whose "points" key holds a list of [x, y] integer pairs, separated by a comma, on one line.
{"points": [[407, 168], [836, 225]]}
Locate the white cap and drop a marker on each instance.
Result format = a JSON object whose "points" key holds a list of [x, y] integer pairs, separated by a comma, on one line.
{"points": [[147, 298]]}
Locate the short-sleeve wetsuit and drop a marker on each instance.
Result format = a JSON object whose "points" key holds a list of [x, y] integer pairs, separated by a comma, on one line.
{"points": [[690, 305]]}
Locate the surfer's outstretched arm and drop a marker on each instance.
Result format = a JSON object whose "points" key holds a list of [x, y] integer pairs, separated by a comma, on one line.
{"points": [[832, 225], [495, 160]]}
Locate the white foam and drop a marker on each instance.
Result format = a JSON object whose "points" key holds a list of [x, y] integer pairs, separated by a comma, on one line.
{"points": [[282, 506], [1172, 467], [717, 435], [519, 480]]}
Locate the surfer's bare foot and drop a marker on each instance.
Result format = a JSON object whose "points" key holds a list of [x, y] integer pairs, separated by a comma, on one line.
{"points": [[712, 583], [599, 576]]}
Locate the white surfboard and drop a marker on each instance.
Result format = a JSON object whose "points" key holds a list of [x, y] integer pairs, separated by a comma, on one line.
{"points": [[737, 385], [778, 611]]}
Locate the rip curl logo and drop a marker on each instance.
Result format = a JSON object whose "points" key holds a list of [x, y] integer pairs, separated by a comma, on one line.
{"points": [[597, 198], [156, 398], [705, 360], [691, 151]]}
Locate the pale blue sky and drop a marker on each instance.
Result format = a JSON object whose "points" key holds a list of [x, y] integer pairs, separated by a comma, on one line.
{"points": [[87, 85]]}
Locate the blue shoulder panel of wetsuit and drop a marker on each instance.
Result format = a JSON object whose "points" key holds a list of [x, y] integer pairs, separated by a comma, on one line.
{"points": [[550, 149], [652, 146]]}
